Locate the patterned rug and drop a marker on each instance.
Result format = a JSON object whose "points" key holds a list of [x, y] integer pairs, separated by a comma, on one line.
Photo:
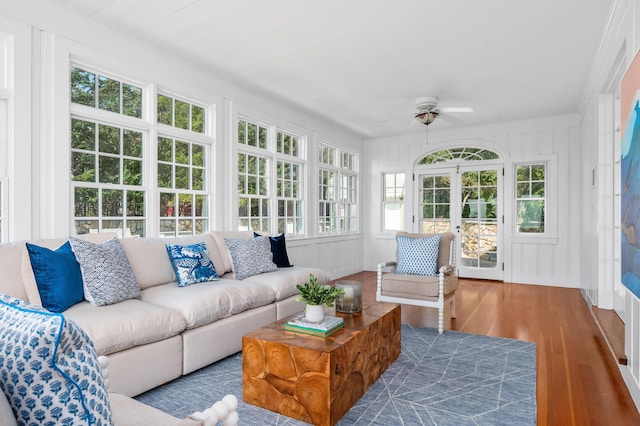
{"points": [[449, 379]]}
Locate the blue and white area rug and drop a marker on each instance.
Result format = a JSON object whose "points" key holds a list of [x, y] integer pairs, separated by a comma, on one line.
{"points": [[449, 379]]}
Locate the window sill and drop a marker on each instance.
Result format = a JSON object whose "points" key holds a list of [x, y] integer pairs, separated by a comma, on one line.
{"points": [[534, 239]]}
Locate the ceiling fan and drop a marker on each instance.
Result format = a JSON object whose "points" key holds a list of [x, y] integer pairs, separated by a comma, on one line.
{"points": [[427, 111]]}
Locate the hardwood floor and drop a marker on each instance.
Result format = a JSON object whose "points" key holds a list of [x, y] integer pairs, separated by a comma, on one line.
{"points": [[578, 380]]}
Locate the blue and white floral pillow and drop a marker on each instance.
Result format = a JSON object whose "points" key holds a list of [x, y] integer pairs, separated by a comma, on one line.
{"points": [[192, 263], [418, 256], [49, 370]]}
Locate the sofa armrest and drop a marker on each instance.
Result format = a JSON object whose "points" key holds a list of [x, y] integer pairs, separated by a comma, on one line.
{"points": [[127, 410]]}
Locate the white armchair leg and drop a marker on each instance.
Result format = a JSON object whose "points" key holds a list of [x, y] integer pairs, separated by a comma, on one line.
{"points": [[441, 303]]}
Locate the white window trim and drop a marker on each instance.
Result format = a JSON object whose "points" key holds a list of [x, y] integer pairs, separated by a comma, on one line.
{"points": [[550, 235]]}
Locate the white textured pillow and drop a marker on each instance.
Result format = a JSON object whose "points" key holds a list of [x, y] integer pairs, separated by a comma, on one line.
{"points": [[250, 257], [106, 273]]}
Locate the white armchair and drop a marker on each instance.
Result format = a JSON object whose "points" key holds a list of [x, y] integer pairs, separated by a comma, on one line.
{"points": [[436, 290]]}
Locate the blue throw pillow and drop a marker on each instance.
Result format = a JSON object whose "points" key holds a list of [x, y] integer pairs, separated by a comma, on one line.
{"points": [[192, 263], [49, 368], [279, 250], [418, 256], [57, 275]]}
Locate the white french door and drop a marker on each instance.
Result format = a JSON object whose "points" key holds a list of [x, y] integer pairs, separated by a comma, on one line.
{"points": [[467, 200]]}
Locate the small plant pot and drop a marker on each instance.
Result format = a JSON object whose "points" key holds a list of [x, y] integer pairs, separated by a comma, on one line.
{"points": [[314, 313]]}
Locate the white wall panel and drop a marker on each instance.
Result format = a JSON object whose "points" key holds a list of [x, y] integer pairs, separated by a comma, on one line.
{"points": [[527, 260], [622, 32]]}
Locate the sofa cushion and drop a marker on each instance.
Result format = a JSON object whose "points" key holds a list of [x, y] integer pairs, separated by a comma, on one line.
{"points": [[6, 413], [106, 273], [416, 286], [279, 250], [192, 263], [250, 257], [56, 378], [218, 237], [130, 323], [149, 260], [128, 411], [418, 256], [207, 302], [283, 282]]}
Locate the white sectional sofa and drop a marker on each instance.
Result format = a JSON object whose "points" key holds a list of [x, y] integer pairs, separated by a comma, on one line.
{"points": [[168, 330]]}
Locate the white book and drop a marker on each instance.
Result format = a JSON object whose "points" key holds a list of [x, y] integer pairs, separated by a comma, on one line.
{"points": [[329, 322]]}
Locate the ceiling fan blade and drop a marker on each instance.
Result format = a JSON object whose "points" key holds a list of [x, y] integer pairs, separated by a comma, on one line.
{"points": [[455, 109], [450, 119]]}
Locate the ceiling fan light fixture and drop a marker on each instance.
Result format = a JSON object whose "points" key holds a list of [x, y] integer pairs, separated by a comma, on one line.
{"points": [[426, 117]]}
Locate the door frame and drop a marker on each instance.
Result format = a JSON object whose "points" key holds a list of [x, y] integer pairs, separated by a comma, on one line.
{"points": [[454, 168]]}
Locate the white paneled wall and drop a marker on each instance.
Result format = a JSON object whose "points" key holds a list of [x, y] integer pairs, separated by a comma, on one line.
{"points": [[621, 35], [549, 260]]}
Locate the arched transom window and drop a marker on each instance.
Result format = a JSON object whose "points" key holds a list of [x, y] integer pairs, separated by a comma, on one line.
{"points": [[460, 154]]}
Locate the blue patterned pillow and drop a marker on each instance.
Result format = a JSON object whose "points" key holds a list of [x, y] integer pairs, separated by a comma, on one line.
{"points": [[418, 256], [107, 276], [192, 263], [49, 369], [250, 257]]}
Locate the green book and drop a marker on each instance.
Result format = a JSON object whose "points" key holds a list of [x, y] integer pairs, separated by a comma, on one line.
{"points": [[313, 332], [328, 323]]}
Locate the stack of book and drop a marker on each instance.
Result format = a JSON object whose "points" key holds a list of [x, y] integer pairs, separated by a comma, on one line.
{"points": [[324, 328]]}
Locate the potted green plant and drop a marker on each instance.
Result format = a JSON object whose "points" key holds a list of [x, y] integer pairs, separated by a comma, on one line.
{"points": [[315, 296]]}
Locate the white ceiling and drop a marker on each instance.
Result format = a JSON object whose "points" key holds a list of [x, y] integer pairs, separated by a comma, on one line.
{"points": [[363, 63]]}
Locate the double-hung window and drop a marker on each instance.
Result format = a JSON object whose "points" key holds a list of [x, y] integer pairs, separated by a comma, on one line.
{"points": [[115, 185], [3, 166], [531, 197], [289, 188], [106, 155], [337, 190], [270, 179], [181, 167], [393, 201]]}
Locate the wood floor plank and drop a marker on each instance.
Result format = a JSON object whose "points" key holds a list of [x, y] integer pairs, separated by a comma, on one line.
{"points": [[578, 380]]}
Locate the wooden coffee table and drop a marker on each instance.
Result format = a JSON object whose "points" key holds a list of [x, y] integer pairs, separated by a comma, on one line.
{"points": [[318, 379]]}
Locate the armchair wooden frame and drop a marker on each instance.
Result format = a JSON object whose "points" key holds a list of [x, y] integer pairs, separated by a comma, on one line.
{"points": [[443, 299]]}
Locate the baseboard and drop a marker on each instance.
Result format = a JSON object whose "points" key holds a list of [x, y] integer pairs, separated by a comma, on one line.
{"points": [[632, 385]]}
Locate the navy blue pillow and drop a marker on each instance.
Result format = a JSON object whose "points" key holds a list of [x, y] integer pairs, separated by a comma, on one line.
{"points": [[57, 275], [279, 250]]}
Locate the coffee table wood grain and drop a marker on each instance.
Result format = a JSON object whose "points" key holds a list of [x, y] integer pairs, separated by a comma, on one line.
{"points": [[318, 379]]}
